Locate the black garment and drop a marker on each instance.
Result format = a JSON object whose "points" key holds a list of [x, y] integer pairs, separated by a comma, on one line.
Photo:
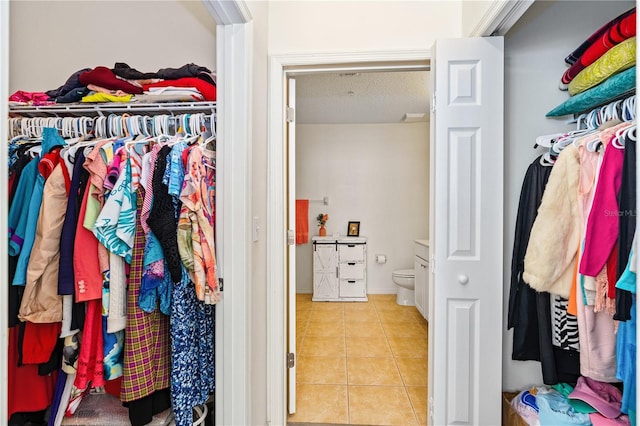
{"points": [[162, 218], [558, 365], [125, 71], [189, 70], [523, 315], [142, 410], [74, 95], [79, 309], [78, 314], [36, 418], [16, 291], [529, 311], [72, 82], [54, 362], [66, 276], [626, 225]]}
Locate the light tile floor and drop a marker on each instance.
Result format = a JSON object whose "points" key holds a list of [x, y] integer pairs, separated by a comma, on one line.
{"points": [[360, 363]]}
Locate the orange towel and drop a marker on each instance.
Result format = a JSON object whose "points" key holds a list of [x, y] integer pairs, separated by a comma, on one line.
{"points": [[302, 221]]}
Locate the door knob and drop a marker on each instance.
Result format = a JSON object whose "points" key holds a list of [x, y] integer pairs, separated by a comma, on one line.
{"points": [[463, 279]]}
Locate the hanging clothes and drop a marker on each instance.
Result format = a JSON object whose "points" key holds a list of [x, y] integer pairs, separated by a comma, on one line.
{"points": [[147, 362], [602, 226], [50, 158], [627, 226], [522, 314], [551, 252], [93, 257], [196, 239], [627, 340], [41, 302]]}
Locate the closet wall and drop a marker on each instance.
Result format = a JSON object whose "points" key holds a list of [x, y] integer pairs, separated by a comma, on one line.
{"points": [[377, 174], [50, 40], [535, 49]]}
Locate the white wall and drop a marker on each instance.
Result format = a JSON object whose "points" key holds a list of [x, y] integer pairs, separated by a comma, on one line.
{"points": [[50, 40], [339, 26], [535, 49], [257, 288], [373, 173]]}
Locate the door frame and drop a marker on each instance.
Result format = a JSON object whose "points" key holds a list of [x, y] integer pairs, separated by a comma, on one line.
{"points": [[280, 67]]}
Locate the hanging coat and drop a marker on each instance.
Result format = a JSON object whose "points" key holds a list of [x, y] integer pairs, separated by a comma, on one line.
{"points": [[551, 253], [523, 316]]}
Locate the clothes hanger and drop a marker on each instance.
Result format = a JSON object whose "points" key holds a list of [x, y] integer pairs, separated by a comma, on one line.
{"points": [[631, 133], [580, 121], [618, 139], [545, 159], [547, 141], [567, 139], [195, 122], [629, 108]]}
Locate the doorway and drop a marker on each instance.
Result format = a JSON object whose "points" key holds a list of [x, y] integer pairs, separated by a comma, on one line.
{"points": [[362, 154], [466, 203]]}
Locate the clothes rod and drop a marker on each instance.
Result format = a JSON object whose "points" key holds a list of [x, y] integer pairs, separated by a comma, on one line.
{"points": [[113, 107], [325, 201]]}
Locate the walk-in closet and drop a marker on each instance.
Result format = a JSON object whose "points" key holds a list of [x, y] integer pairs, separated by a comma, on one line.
{"points": [[571, 339], [111, 300]]}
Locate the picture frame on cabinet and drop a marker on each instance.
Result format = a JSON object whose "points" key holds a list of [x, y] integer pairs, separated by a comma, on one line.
{"points": [[353, 229]]}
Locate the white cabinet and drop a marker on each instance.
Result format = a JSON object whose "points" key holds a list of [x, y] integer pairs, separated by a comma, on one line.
{"points": [[339, 269], [421, 266]]}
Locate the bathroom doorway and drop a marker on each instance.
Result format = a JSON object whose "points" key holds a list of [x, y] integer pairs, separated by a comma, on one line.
{"points": [[362, 154]]}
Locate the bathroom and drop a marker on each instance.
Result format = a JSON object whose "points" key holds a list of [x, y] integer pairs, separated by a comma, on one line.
{"points": [[362, 154]]}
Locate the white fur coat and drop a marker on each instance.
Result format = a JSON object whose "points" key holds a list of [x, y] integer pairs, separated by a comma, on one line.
{"points": [[549, 264]]}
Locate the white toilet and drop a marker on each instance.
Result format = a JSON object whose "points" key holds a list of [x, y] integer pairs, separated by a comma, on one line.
{"points": [[405, 280]]}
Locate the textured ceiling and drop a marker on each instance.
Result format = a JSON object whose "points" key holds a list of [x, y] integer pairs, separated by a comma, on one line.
{"points": [[365, 97]]}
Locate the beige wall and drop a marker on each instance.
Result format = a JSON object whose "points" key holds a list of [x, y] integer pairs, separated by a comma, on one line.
{"points": [[377, 174], [339, 26], [50, 40], [473, 12]]}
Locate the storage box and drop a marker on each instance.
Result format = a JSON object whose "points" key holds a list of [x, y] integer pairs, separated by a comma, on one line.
{"points": [[510, 417]]}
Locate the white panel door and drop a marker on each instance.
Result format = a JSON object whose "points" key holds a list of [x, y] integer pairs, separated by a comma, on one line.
{"points": [[291, 258], [465, 341]]}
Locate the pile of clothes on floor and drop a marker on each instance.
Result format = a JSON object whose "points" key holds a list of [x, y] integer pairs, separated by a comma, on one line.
{"points": [[591, 402], [122, 83]]}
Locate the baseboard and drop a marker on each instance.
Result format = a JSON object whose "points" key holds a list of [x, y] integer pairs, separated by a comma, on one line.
{"points": [[382, 290], [370, 291], [378, 290]]}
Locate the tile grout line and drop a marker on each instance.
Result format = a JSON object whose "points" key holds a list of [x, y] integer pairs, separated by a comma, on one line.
{"points": [[404, 384], [346, 363]]}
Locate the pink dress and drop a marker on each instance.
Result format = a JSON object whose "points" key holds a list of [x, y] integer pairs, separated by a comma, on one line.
{"points": [[602, 226]]}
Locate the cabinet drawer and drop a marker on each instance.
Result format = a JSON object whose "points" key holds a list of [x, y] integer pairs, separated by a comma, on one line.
{"points": [[351, 271], [422, 251], [350, 252], [352, 288]]}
